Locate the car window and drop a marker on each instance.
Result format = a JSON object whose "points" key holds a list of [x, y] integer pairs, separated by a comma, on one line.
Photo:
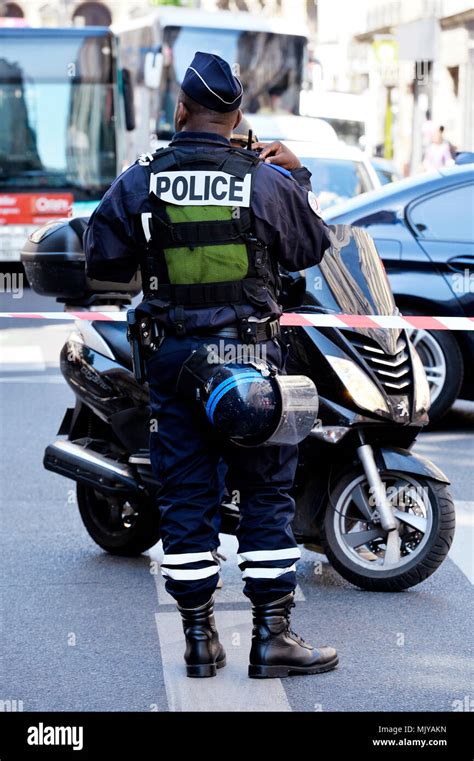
{"points": [[445, 216], [334, 180], [384, 175]]}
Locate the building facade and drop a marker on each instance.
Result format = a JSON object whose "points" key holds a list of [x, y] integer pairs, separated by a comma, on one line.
{"points": [[430, 75], [68, 12]]}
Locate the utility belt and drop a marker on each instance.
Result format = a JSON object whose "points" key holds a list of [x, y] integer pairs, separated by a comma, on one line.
{"points": [[146, 334]]}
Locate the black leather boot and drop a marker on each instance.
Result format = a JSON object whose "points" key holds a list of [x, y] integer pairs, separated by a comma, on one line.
{"points": [[277, 651], [204, 653]]}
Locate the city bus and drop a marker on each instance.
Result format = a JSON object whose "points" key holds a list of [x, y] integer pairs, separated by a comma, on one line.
{"points": [[65, 105], [269, 56]]}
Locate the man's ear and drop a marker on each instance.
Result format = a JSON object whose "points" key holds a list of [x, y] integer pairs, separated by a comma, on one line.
{"points": [[238, 119], [181, 116]]}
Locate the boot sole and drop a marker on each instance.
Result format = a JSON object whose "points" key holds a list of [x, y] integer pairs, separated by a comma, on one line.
{"points": [[273, 672], [205, 669]]}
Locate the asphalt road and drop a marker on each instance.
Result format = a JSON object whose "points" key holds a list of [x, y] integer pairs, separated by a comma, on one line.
{"points": [[86, 631]]}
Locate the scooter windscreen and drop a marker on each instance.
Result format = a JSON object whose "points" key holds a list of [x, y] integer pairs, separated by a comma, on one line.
{"points": [[351, 279]]}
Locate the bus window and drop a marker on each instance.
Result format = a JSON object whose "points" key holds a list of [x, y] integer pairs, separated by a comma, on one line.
{"points": [[270, 67], [57, 118]]}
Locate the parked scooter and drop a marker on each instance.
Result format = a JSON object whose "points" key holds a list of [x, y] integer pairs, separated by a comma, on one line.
{"points": [[382, 514]]}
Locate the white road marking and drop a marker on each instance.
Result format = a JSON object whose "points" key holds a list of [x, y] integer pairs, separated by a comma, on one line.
{"points": [[30, 378], [433, 439], [32, 348], [17, 358], [462, 550], [230, 689]]}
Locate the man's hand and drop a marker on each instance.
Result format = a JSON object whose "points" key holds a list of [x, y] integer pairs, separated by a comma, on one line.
{"points": [[279, 154]]}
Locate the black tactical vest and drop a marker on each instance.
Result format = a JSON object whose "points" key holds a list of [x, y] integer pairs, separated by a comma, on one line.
{"points": [[201, 251]]}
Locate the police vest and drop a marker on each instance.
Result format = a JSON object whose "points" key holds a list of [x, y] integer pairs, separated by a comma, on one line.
{"points": [[201, 251]]}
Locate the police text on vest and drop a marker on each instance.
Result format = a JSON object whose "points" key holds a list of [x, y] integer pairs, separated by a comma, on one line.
{"points": [[187, 188]]}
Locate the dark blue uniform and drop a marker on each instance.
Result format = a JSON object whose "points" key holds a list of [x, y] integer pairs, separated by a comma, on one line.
{"points": [[186, 458], [282, 218]]}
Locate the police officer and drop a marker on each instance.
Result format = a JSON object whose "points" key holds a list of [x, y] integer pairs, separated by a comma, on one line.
{"points": [[208, 225]]}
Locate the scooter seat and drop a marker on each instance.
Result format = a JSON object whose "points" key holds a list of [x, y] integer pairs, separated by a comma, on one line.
{"points": [[115, 336]]}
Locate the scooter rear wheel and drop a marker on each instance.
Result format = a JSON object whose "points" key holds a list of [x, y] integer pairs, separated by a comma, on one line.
{"points": [[370, 558], [121, 527]]}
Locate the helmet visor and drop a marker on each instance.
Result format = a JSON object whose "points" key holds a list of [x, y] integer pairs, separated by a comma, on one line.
{"points": [[299, 410]]}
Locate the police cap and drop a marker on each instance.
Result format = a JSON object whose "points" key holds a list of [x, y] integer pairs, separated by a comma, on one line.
{"points": [[210, 82]]}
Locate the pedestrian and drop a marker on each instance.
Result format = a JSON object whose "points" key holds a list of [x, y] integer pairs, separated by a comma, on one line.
{"points": [[438, 152], [208, 224], [427, 129]]}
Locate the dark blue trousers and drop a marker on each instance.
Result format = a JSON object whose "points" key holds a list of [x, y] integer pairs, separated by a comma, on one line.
{"points": [[187, 458]]}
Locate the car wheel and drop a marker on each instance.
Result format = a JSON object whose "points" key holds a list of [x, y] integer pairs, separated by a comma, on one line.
{"points": [[442, 359]]}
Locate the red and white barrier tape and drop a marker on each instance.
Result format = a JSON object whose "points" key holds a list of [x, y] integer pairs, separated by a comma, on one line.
{"points": [[288, 319]]}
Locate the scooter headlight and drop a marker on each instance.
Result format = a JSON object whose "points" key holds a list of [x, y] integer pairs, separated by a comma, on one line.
{"points": [[363, 391], [422, 387]]}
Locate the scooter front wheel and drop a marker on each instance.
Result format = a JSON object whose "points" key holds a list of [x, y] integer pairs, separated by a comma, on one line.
{"points": [[118, 525], [369, 557]]}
